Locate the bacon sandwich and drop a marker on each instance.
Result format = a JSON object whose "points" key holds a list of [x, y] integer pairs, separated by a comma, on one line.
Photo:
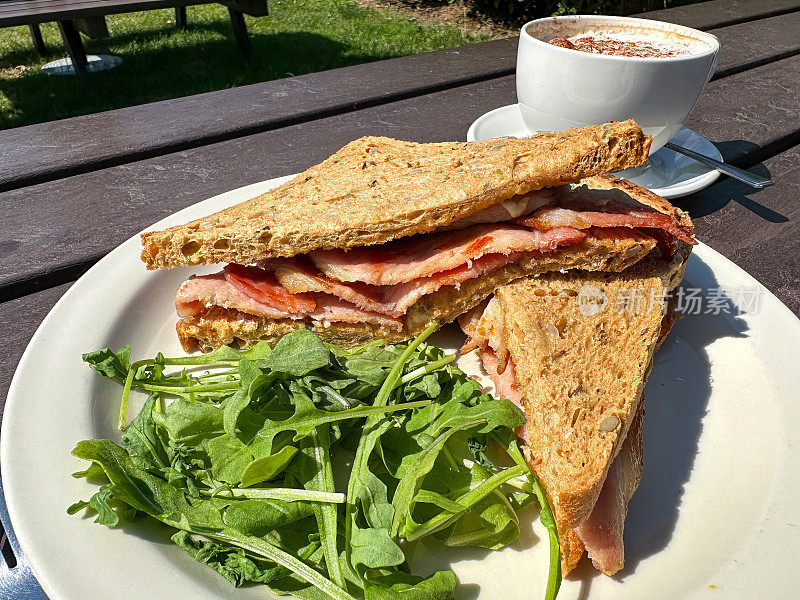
{"points": [[574, 351], [386, 237]]}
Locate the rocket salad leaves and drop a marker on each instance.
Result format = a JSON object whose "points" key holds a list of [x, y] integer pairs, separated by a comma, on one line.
{"points": [[241, 464]]}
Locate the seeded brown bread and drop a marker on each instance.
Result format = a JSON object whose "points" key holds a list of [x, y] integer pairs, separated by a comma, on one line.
{"points": [[377, 189], [572, 547], [582, 375], [603, 249], [629, 476]]}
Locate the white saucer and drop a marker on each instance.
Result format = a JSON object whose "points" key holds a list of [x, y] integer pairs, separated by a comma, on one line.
{"points": [[667, 173]]}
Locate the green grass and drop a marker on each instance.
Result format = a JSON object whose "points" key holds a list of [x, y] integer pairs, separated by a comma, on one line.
{"points": [[161, 61]]}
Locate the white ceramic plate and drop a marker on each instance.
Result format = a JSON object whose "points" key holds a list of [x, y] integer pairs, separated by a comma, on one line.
{"points": [[667, 173], [717, 505]]}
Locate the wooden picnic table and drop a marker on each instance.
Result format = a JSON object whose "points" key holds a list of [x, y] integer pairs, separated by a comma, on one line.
{"points": [[72, 190], [88, 16]]}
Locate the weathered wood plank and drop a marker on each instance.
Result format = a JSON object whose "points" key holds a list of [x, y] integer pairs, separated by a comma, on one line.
{"points": [[18, 322], [47, 151], [61, 148], [78, 219], [754, 43], [719, 13], [751, 115], [758, 230], [24, 12]]}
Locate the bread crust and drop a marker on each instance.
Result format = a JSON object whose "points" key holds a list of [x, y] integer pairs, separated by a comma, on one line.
{"points": [[605, 249], [546, 364], [377, 189], [556, 395]]}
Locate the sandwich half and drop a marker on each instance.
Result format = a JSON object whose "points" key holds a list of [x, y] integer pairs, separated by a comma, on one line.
{"points": [[385, 238], [574, 351]]}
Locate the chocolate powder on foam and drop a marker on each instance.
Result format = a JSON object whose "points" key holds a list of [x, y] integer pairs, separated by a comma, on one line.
{"points": [[617, 47]]}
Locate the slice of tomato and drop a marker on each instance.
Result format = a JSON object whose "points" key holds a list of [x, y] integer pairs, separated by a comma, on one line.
{"points": [[262, 286]]}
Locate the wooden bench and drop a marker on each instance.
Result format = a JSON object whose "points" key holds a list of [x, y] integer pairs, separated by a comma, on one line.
{"points": [[88, 17]]}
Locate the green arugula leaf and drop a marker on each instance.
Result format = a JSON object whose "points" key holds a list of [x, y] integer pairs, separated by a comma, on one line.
{"points": [[374, 548], [370, 363], [146, 492], [190, 423], [298, 353], [259, 517], [99, 502], [313, 471], [402, 586], [365, 492], [93, 471], [413, 531], [250, 379], [226, 354], [231, 457], [232, 563], [77, 506], [491, 523], [108, 363], [157, 498], [415, 472], [143, 441], [443, 421], [265, 468]]}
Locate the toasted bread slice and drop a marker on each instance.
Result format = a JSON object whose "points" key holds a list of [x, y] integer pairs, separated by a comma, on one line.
{"points": [[626, 470], [377, 189], [604, 249], [581, 368]]}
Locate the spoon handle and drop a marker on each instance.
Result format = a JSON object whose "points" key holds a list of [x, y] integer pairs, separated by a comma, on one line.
{"points": [[748, 177]]}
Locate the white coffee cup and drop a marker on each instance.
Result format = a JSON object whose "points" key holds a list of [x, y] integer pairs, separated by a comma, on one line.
{"points": [[559, 88]]}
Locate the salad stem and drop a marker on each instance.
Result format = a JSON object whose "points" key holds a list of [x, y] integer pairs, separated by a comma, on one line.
{"points": [[126, 392], [263, 548], [484, 489], [190, 389], [287, 494], [425, 369]]}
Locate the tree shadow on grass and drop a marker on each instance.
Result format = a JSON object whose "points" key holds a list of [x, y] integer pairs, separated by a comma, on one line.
{"points": [[170, 71]]}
